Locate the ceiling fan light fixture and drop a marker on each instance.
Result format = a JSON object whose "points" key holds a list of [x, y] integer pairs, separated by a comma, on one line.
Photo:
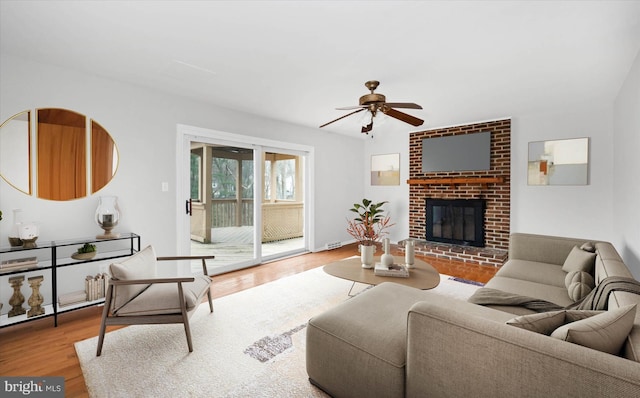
{"points": [[378, 110]]}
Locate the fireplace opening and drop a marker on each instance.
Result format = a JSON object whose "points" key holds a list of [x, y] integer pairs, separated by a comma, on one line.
{"points": [[455, 221]]}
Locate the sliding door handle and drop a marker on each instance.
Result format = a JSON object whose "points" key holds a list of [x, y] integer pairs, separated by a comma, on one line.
{"points": [[188, 207]]}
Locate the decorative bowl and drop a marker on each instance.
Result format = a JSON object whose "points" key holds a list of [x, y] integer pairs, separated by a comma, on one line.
{"points": [[84, 256]]}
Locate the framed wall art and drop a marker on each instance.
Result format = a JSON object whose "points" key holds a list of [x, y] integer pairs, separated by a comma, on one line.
{"points": [[385, 169], [559, 162]]}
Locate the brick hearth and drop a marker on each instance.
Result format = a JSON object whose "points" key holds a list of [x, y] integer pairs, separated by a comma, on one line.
{"points": [[496, 195]]}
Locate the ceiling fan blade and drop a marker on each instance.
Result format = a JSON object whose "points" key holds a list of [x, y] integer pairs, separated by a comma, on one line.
{"points": [[347, 108], [342, 117], [412, 120], [410, 105]]}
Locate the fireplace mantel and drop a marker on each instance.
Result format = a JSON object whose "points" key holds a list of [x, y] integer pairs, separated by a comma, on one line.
{"points": [[456, 181]]}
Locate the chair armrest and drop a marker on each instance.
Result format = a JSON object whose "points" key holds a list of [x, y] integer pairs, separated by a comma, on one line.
{"points": [[186, 258], [203, 258], [150, 281]]}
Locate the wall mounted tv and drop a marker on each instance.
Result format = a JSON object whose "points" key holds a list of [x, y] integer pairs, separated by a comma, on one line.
{"points": [[464, 152]]}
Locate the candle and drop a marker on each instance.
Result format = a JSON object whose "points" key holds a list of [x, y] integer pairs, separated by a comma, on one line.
{"points": [[107, 220]]}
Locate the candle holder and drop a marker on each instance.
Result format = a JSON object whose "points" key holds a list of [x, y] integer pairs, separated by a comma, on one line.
{"points": [[36, 299], [29, 234], [17, 298], [107, 216]]}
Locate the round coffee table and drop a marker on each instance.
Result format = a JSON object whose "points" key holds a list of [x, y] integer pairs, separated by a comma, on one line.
{"points": [[421, 276]]}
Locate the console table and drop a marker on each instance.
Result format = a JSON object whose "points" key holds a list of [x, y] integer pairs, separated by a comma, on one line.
{"points": [[51, 258]]}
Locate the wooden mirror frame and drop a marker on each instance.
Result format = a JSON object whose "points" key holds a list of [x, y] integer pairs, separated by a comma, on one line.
{"points": [[15, 151], [62, 147]]}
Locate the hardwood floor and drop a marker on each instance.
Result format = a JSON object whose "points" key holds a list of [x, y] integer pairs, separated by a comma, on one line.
{"points": [[38, 349]]}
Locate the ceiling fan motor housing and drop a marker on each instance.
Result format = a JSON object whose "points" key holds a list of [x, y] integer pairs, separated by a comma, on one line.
{"points": [[372, 98]]}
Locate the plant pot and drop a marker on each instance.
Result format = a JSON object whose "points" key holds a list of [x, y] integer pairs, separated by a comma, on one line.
{"points": [[366, 255]]}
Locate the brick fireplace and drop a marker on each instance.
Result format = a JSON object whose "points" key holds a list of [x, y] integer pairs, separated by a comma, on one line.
{"points": [[491, 186]]}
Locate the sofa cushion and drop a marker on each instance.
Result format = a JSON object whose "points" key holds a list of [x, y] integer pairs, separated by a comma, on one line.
{"points": [[547, 322], [554, 294], [578, 290], [579, 260], [588, 247], [548, 274], [605, 332], [579, 284], [579, 276], [141, 265]]}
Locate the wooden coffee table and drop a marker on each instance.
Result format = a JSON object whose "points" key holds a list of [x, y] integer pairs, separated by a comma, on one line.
{"points": [[421, 276]]}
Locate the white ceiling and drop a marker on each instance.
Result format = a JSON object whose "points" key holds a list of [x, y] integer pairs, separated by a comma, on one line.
{"points": [[297, 61]]}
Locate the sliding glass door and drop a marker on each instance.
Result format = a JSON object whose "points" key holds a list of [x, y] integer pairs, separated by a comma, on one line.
{"points": [[283, 204], [222, 216], [246, 202]]}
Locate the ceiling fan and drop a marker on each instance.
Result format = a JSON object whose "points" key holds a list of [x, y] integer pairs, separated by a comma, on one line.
{"points": [[375, 103]]}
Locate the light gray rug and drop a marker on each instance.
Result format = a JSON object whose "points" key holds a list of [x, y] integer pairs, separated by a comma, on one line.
{"points": [[253, 345]]}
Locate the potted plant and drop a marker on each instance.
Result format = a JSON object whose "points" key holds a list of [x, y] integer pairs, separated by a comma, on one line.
{"points": [[86, 252], [368, 227]]}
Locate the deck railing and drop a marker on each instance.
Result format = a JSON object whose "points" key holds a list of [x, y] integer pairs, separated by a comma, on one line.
{"points": [[280, 220], [225, 213]]}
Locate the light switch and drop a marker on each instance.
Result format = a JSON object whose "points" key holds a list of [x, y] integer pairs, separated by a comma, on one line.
{"points": [[165, 187]]}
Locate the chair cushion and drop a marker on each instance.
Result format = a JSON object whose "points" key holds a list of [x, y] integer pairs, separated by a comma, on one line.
{"points": [[162, 298], [141, 265]]}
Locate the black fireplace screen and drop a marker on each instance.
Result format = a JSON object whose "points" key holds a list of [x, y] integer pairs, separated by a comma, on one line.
{"points": [[456, 221]]}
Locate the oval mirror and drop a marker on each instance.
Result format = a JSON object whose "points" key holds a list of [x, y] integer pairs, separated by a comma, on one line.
{"points": [[62, 171]]}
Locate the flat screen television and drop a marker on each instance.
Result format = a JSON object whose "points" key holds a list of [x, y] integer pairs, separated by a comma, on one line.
{"points": [[464, 152]]}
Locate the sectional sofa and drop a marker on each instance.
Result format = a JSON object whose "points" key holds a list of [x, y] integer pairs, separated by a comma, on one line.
{"points": [[396, 341]]}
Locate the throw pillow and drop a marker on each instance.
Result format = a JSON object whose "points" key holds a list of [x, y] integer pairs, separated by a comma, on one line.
{"points": [[605, 332], [579, 276], [547, 322], [588, 247], [578, 290], [579, 260], [141, 265]]}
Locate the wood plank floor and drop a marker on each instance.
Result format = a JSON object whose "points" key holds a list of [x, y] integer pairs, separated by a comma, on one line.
{"points": [[38, 349]]}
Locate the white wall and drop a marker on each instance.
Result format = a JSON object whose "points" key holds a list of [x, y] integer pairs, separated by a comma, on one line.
{"points": [[626, 169], [579, 211], [392, 137], [143, 124], [576, 211]]}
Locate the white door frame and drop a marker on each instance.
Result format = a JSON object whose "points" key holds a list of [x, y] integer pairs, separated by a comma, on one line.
{"points": [[186, 134]]}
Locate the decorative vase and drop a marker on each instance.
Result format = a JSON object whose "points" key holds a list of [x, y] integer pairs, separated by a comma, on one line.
{"points": [[366, 255], [409, 253], [386, 259], [14, 235], [107, 216]]}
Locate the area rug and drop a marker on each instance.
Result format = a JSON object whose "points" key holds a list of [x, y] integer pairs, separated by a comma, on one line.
{"points": [[253, 345]]}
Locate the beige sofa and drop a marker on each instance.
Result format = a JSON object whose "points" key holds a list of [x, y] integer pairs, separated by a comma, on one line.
{"points": [[395, 341]]}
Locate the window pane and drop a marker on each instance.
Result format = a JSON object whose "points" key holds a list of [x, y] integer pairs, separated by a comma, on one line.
{"points": [[247, 179], [196, 173], [267, 179], [285, 179], [224, 173]]}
